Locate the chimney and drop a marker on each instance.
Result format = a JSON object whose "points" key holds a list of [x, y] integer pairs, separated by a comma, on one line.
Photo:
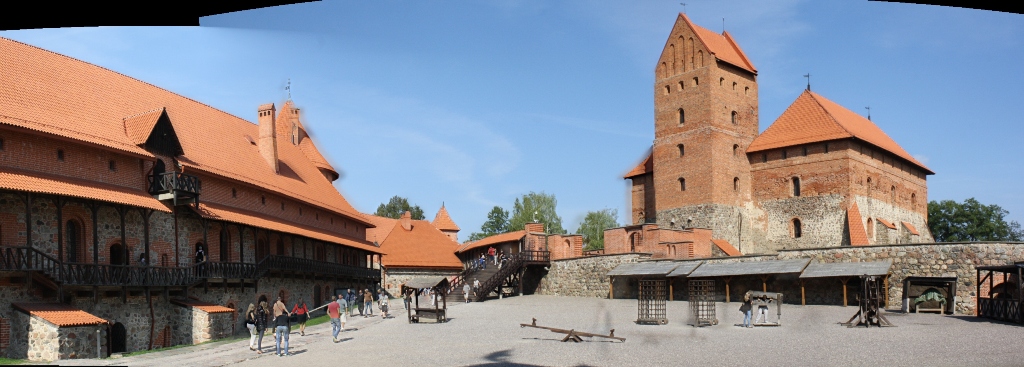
{"points": [[268, 134], [407, 220], [296, 132], [534, 227]]}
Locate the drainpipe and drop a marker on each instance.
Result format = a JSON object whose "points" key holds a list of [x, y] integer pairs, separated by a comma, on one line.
{"points": [[99, 354]]}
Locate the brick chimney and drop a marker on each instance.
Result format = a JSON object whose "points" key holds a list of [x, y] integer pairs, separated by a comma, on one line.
{"points": [[534, 227], [268, 134], [407, 220]]}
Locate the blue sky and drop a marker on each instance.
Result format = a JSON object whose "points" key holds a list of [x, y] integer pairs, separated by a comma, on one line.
{"points": [[476, 103]]}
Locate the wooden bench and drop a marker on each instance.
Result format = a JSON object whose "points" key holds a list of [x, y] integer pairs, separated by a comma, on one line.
{"points": [[429, 313]]}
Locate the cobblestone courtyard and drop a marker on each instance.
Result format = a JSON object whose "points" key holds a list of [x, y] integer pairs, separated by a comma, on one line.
{"points": [[488, 334]]}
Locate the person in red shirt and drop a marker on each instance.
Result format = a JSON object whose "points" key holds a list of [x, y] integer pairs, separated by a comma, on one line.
{"points": [[493, 254], [334, 312], [301, 313]]}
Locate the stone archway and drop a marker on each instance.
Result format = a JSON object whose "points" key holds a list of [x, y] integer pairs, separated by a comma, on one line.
{"points": [[118, 338]]}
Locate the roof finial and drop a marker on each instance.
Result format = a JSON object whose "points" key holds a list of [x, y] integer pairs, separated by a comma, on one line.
{"points": [[723, 25], [684, 7], [289, 89], [808, 76], [869, 113]]}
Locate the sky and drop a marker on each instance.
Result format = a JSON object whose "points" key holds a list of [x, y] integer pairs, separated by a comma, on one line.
{"points": [[474, 104]]}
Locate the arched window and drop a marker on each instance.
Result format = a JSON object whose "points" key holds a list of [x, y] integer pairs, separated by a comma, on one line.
{"points": [[871, 229], [682, 150], [696, 82], [225, 245], [736, 184], [733, 85], [682, 116], [73, 234], [117, 254], [796, 186], [734, 117], [797, 232], [700, 58], [892, 193], [681, 85], [682, 184]]}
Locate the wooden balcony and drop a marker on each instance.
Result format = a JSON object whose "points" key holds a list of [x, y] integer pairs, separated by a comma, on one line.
{"points": [[294, 265], [179, 188]]}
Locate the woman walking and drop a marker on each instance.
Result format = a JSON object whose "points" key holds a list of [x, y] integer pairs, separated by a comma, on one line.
{"points": [[250, 323], [746, 309], [368, 302], [383, 304], [261, 325], [301, 314]]}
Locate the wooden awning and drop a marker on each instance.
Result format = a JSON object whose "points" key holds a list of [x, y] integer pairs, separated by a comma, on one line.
{"points": [[825, 270], [426, 282], [645, 268], [750, 268]]}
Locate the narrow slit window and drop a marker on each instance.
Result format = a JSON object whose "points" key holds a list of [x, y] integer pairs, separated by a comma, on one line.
{"points": [[682, 116], [797, 231], [682, 184], [60, 155], [736, 184], [733, 117], [112, 165], [796, 186], [682, 150], [804, 151]]}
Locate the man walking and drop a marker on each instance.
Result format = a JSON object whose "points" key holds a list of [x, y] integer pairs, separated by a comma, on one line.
{"points": [[281, 316], [465, 291], [494, 256], [333, 311], [368, 302]]}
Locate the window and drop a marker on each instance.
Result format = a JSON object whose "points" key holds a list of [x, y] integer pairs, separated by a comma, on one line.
{"points": [[764, 157], [746, 89], [682, 150], [796, 186], [721, 81], [300, 211], [797, 231], [695, 81], [682, 116], [667, 90], [736, 184], [60, 155], [826, 147], [112, 165], [735, 149], [234, 193], [681, 85], [804, 151], [733, 85], [73, 234], [892, 193], [733, 117], [913, 201], [869, 182], [682, 184]]}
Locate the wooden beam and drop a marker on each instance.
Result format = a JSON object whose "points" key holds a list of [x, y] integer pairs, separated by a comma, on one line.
{"points": [[727, 280], [844, 280], [803, 294]]}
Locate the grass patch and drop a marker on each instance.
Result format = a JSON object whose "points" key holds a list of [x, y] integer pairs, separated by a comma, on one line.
{"points": [[7, 361]]}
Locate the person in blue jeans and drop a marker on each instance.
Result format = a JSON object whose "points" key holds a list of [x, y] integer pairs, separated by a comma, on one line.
{"points": [[747, 309], [281, 320]]}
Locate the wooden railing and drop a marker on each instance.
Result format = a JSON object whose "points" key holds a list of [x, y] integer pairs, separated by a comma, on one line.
{"points": [[169, 182], [103, 274], [221, 270], [1000, 309], [27, 259], [535, 256], [292, 264]]}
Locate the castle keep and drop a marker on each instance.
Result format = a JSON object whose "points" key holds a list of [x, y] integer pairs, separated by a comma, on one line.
{"points": [[819, 176]]}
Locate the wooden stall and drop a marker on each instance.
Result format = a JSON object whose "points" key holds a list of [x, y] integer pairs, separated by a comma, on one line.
{"points": [[1003, 301], [760, 269], [439, 312], [843, 272]]}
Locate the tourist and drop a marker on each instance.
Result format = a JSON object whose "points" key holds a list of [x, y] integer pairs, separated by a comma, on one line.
{"points": [[408, 298], [343, 308], [745, 308], [358, 298], [301, 315], [261, 325], [250, 323], [383, 304], [368, 302], [200, 259], [476, 289], [493, 254], [281, 320], [350, 297], [142, 259], [483, 262], [465, 291], [762, 313], [333, 312]]}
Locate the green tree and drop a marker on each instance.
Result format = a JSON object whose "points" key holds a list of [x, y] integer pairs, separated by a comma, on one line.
{"points": [[950, 221], [593, 227], [543, 205], [398, 205], [497, 223]]}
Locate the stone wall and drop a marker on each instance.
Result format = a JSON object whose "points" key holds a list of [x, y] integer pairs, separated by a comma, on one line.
{"points": [[583, 277], [395, 277], [37, 340], [80, 342]]}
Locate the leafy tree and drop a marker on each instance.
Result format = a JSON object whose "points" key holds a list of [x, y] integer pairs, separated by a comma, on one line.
{"points": [[593, 227], [969, 221], [497, 223], [543, 205], [397, 206]]}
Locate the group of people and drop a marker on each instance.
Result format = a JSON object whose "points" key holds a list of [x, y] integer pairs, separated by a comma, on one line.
{"points": [[747, 309], [494, 256]]}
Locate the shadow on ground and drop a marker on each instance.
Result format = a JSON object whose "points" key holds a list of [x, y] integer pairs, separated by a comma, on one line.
{"points": [[500, 358]]}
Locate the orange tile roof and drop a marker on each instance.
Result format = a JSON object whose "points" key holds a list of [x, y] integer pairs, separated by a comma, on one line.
{"points": [[726, 247], [722, 46], [886, 223], [85, 102], [384, 226], [910, 227], [241, 216], [647, 166], [139, 127], [13, 179], [422, 246], [495, 239], [444, 222], [853, 220], [60, 315], [812, 118], [285, 119], [203, 306]]}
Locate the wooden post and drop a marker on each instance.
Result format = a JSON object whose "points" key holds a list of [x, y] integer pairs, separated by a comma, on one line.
{"points": [[764, 283], [977, 294], [611, 290], [670, 295], [727, 280], [803, 295], [844, 290], [885, 299]]}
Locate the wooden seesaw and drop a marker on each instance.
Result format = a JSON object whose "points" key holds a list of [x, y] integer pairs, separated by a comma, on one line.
{"points": [[573, 335]]}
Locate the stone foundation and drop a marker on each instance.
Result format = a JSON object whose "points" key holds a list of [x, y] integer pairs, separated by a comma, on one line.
{"points": [[583, 277]]}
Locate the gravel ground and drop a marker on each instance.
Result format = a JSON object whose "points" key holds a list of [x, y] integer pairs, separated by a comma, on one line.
{"points": [[488, 334]]}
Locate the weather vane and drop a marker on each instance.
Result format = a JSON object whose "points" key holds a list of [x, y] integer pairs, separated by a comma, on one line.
{"points": [[289, 89], [684, 7], [869, 113], [808, 76]]}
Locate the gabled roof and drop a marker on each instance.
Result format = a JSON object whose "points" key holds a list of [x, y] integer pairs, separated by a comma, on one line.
{"points": [[495, 239], [813, 118], [722, 46], [853, 220], [647, 166], [81, 101], [383, 227], [139, 126], [910, 227], [59, 314], [727, 247], [886, 223], [285, 120], [202, 306], [444, 222], [422, 246]]}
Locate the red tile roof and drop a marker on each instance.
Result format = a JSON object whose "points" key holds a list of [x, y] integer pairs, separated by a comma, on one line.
{"points": [[422, 246], [444, 222], [85, 102], [495, 239], [812, 118], [285, 119], [647, 166], [726, 247], [384, 226], [910, 227], [139, 127], [203, 306], [240, 216], [60, 315], [722, 46], [886, 223], [13, 179], [853, 220]]}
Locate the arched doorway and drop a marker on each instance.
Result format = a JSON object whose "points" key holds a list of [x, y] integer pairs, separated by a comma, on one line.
{"points": [[73, 233], [117, 256], [280, 247], [118, 338], [262, 250]]}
